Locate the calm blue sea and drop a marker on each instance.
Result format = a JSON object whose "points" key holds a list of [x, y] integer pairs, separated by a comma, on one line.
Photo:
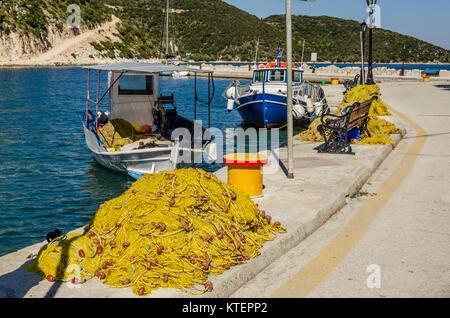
{"points": [[48, 178]]}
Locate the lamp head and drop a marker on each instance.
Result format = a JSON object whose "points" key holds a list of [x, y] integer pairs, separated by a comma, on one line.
{"points": [[371, 2], [364, 26]]}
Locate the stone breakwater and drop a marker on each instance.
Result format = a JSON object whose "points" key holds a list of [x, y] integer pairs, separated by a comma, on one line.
{"points": [[331, 69]]}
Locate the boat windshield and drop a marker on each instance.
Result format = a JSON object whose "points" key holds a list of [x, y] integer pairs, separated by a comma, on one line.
{"points": [[277, 75], [296, 76], [136, 85], [259, 76]]}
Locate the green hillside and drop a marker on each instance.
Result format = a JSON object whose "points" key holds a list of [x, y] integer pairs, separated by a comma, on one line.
{"points": [[338, 40], [213, 30], [208, 29], [32, 17]]}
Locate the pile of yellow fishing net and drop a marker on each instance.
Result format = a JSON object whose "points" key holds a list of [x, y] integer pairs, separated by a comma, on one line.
{"points": [[379, 129], [362, 93], [118, 132], [170, 229]]}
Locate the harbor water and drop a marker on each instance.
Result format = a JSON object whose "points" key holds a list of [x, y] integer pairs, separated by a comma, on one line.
{"points": [[48, 177]]}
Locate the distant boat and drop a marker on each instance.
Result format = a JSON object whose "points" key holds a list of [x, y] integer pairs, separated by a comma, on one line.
{"points": [[175, 74], [178, 74], [263, 103], [171, 47]]}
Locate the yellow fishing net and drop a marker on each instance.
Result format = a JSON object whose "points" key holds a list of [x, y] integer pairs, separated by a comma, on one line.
{"points": [[170, 229], [311, 134], [118, 132], [362, 93], [379, 129]]}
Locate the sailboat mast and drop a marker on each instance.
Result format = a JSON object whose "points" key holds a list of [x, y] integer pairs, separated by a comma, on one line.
{"points": [[167, 27], [303, 50], [256, 53]]}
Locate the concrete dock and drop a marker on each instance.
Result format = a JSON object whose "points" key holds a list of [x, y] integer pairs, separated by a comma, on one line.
{"points": [[326, 77], [398, 231], [324, 185]]}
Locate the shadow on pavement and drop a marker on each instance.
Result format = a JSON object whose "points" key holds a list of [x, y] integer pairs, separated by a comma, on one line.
{"points": [[17, 283], [442, 86]]}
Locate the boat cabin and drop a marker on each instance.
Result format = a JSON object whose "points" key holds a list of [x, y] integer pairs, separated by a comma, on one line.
{"points": [[133, 96], [273, 74]]}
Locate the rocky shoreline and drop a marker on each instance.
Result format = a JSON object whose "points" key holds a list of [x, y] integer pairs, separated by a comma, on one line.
{"points": [[330, 69]]}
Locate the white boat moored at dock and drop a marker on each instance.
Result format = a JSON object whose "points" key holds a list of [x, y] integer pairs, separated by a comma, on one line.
{"points": [[133, 98]]}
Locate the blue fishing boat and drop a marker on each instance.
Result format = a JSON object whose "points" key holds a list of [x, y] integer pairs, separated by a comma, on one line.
{"points": [[263, 103]]}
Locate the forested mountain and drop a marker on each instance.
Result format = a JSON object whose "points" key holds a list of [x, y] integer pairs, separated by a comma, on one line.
{"points": [[207, 30], [215, 30], [337, 39]]}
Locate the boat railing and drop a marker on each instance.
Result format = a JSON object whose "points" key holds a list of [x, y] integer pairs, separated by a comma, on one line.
{"points": [[209, 99], [311, 90], [166, 99], [235, 90], [241, 90]]}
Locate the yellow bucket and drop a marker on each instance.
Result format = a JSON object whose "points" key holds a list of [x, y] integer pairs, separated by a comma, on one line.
{"points": [[334, 81], [426, 78], [244, 171]]}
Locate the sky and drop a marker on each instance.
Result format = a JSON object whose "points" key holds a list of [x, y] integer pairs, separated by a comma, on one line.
{"points": [[428, 20]]}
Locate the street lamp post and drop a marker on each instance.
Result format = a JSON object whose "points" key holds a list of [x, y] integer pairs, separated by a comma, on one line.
{"points": [[371, 4], [402, 73], [363, 37], [290, 121]]}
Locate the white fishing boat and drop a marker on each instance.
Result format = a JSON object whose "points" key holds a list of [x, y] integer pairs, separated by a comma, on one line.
{"points": [[178, 74], [133, 97]]}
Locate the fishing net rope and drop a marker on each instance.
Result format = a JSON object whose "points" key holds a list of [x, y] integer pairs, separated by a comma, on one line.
{"points": [[379, 129], [118, 133], [170, 229]]}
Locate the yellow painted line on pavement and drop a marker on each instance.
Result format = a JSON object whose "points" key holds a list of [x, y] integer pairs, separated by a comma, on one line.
{"points": [[319, 268]]}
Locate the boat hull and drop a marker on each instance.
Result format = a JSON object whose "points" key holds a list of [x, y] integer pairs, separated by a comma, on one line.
{"points": [[133, 163], [263, 110]]}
